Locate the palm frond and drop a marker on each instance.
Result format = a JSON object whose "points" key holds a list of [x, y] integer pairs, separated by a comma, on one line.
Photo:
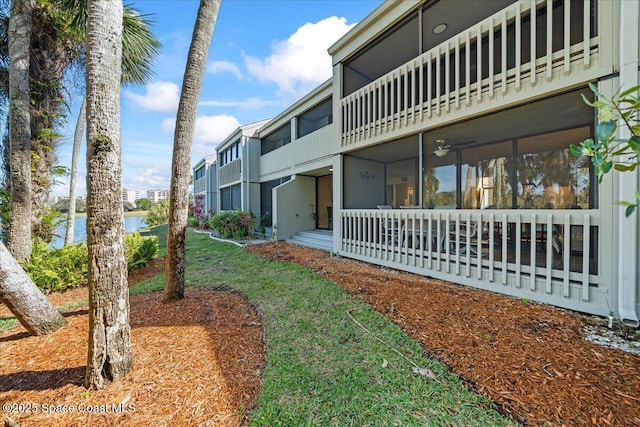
{"points": [[140, 47]]}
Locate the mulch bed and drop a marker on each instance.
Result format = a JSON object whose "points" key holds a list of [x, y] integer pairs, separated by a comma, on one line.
{"points": [[531, 360], [197, 361]]}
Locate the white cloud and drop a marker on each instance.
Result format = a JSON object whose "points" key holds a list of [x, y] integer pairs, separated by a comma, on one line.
{"points": [[221, 103], [209, 131], [248, 104], [152, 178], [159, 96], [224, 67], [301, 62]]}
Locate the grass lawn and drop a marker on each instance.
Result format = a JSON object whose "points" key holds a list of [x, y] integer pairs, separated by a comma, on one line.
{"points": [[322, 368]]}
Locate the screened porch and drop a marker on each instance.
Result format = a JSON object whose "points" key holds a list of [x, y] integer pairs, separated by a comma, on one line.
{"points": [[497, 202]]}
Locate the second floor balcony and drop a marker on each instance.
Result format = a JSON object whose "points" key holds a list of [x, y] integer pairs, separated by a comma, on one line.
{"points": [[524, 51]]}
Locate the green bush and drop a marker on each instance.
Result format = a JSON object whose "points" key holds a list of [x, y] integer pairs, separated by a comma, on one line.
{"points": [[158, 213], [58, 269], [66, 267], [233, 224], [139, 250]]}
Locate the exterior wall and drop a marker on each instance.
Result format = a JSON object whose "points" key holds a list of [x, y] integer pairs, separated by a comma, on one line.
{"points": [[435, 89], [241, 170], [295, 157], [293, 206], [360, 171]]}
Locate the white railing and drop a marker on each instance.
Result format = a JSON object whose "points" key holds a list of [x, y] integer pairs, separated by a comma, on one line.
{"points": [[452, 76], [547, 255]]}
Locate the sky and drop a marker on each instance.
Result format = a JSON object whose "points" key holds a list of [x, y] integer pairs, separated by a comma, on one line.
{"points": [[264, 56]]}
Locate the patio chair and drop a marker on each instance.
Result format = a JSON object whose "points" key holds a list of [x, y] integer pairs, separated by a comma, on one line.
{"points": [[390, 227], [464, 242]]}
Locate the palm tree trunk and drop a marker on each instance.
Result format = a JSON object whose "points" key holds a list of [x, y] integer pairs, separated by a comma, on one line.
{"points": [[185, 122], [20, 129], [77, 141], [24, 299], [109, 357]]}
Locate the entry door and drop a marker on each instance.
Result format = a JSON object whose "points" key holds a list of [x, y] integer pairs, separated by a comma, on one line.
{"points": [[324, 201]]}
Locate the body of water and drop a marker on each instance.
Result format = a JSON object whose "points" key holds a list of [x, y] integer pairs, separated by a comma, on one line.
{"points": [[131, 223]]}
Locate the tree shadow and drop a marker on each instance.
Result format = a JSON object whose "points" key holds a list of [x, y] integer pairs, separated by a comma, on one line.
{"points": [[42, 380], [230, 330]]}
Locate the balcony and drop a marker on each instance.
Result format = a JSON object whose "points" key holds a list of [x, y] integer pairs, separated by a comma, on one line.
{"points": [[525, 51], [231, 172]]}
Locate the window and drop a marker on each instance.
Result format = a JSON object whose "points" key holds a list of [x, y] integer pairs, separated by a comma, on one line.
{"points": [[199, 173], [266, 200], [225, 199], [487, 172], [276, 139], [549, 176], [402, 188], [315, 118], [439, 181], [231, 198]]}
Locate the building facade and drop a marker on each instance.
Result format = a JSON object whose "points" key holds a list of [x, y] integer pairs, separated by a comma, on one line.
{"points": [[440, 146], [205, 182], [236, 170], [130, 196], [156, 195]]}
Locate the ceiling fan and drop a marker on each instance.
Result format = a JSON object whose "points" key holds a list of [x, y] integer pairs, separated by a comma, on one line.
{"points": [[442, 149]]}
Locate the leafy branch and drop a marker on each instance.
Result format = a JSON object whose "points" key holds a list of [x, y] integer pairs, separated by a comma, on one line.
{"points": [[609, 151]]}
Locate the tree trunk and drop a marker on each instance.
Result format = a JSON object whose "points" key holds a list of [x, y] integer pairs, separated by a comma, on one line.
{"points": [[109, 356], [77, 141], [20, 129], [185, 122], [24, 299]]}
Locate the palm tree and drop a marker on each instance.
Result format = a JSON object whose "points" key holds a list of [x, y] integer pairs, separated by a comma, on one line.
{"points": [[140, 47], [185, 122], [19, 128], [109, 357], [24, 299], [17, 291]]}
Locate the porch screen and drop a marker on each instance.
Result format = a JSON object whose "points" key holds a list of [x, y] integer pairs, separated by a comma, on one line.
{"points": [[549, 176], [486, 175]]}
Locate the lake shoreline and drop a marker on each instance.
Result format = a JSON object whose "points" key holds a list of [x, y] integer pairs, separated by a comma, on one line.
{"points": [[131, 223]]}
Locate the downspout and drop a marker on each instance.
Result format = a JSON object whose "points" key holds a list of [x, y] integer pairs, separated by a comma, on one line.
{"points": [[246, 179], [628, 181], [420, 169]]}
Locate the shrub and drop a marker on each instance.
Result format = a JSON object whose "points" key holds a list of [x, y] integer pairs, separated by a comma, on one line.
{"points": [[67, 267], [199, 213], [139, 250], [158, 213], [233, 224], [58, 269], [45, 230]]}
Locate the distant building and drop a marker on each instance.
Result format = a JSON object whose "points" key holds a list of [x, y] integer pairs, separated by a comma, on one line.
{"points": [[130, 196], [156, 195], [204, 182]]}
